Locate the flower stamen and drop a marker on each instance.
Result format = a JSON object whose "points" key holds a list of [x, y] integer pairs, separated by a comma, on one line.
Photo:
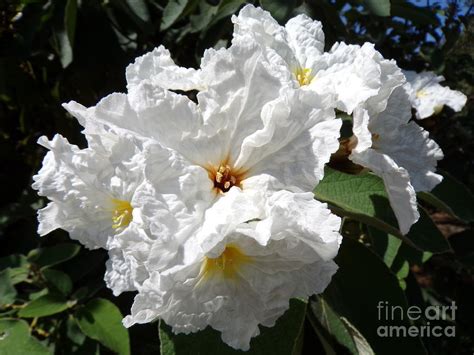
{"points": [[303, 76], [227, 264], [225, 176], [122, 213], [421, 93]]}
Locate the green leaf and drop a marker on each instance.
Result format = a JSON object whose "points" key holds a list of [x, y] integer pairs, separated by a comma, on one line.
{"points": [[7, 291], [140, 9], [101, 320], [363, 198], [172, 12], [44, 306], [203, 19], [281, 339], [332, 323], [378, 7], [417, 15], [280, 9], [362, 283], [73, 331], [15, 338], [58, 281], [13, 261], [385, 245], [66, 35], [396, 255], [19, 274], [427, 236], [453, 197], [18, 266], [50, 256], [226, 9], [362, 345]]}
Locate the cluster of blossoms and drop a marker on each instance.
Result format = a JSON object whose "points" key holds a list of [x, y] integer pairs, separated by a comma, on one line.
{"points": [[206, 206]]}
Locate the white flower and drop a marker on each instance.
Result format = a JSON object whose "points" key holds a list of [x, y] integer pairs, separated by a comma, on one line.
{"points": [[245, 132], [101, 197], [92, 190], [173, 200], [248, 266], [428, 97], [398, 151], [353, 73]]}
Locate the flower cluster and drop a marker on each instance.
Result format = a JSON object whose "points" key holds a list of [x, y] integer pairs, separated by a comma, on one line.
{"points": [[205, 205]]}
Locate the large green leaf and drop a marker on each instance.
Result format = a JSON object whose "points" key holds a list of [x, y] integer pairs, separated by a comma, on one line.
{"points": [[15, 338], [385, 245], [18, 266], [46, 305], [332, 324], [396, 255], [281, 339], [453, 197], [58, 281], [101, 320], [362, 283], [280, 9], [172, 12], [226, 8], [13, 261], [66, 34], [378, 7], [140, 9], [7, 291], [418, 15], [426, 236], [50, 256], [363, 197]]}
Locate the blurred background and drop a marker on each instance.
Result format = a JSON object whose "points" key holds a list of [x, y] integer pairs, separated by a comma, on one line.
{"points": [[57, 50]]}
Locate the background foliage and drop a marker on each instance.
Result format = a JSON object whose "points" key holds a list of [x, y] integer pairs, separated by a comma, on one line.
{"points": [[52, 295]]}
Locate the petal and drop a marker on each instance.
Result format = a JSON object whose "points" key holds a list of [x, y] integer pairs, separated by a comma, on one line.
{"points": [[357, 75], [428, 97], [258, 25], [265, 276], [305, 36], [407, 143], [400, 192], [158, 68], [83, 185]]}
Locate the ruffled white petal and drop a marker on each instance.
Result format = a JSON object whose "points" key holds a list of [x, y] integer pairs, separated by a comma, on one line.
{"points": [[158, 68], [295, 143], [294, 261], [258, 25], [400, 192], [407, 143], [306, 37], [399, 151], [82, 185], [428, 97], [245, 118], [356, 75]]}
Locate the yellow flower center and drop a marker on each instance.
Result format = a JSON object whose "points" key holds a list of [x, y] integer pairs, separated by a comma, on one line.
{"points": [[122, 213], [421, 93], [226, 265], [224, 176], [303, 75]]}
